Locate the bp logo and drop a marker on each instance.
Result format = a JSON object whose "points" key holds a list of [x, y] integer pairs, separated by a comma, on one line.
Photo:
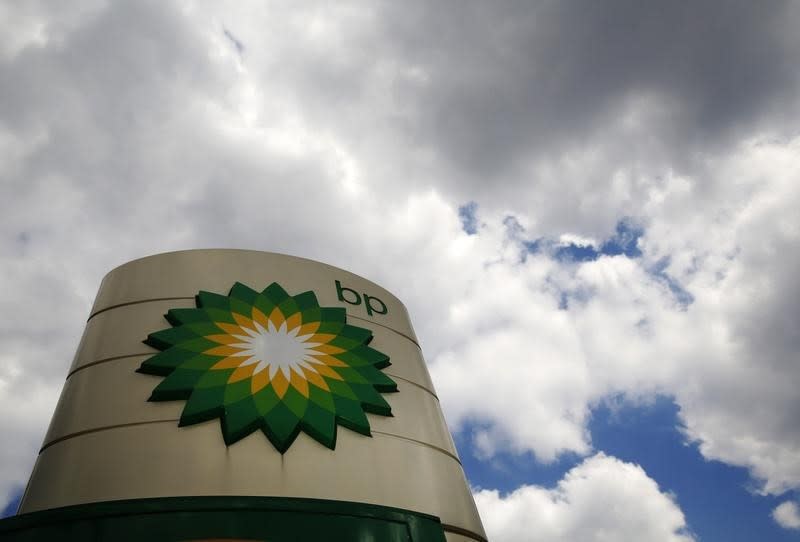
{"points": [[271, 361]]}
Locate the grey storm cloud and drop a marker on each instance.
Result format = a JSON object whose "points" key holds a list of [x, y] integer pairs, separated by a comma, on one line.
{"points": [[510, 79]]}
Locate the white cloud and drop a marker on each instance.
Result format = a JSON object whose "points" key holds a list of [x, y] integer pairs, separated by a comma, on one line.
{"points": [[32, 400], [600, 500], [787, 515], [727, 357], [577, 240]]}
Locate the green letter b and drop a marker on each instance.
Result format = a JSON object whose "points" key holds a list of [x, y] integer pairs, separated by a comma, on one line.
{"points": [[340, 291]]}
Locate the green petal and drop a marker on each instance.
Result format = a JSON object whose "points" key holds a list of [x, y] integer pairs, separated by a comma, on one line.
{"points": [[237, 391], [320, 424], [288, 307], [281, 427], [209, 300], [321, 398], [170, 337], [264, 304], [345, 342], [220, 315], [351, 376], [379, 359], [334, 315], [203, 329], [340, 389], [313, 314], [240, 419], [198, 361], [275, 293], [204, 404], [328, 326], [177, 317], [371, 400], [358, 334], [198, 345], [350, 414], [378, 379], [295, 401], [306, 300], [240, 307], [178, 385], [217, 378], [164, 362], [243, 293], [265, 400]]}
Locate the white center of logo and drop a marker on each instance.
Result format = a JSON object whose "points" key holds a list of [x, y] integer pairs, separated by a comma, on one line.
{"points": [[276, 348]]}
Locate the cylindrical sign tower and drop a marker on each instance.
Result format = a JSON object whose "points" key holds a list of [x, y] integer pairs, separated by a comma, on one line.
{"points": [[240, 395]]}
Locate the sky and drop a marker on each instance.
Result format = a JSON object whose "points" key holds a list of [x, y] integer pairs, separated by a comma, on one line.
{"points": [[589, 209]]}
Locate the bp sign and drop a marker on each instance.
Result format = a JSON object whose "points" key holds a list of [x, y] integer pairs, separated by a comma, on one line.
{"points": [[224, 424], [270, 361]]}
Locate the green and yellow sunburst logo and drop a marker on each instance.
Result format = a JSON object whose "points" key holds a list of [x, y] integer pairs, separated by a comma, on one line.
{"points": [[269, 361]]}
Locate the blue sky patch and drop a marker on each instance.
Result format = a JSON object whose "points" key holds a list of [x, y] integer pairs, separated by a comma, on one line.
{"points": [[713, 496], [507, 471], [11, 508], [624, 242], [468, 213], [682, 296]]}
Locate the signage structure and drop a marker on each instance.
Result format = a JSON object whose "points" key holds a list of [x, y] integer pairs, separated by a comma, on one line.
{"points": [[204, 403]]}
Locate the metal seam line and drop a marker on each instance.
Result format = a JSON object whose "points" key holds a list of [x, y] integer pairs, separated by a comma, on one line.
{"points": [[135, 303], [148, 422], [463, 532], [421, 443], [383, 326], [105, 360], [98, 429], [127, 303], [115, 358], [412, 383]]}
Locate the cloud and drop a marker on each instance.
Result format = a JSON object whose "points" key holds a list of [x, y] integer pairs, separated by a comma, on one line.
{"points": [[787, 515], [560, 94], [600, 499], [714, 324]]}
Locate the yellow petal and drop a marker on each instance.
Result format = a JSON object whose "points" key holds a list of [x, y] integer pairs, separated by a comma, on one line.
{"points": [[315, 379], [241, 373], [244, 321], [230, 362], [224, 350], [280, 384], [294, 321], [223, 339], [276, 317], [328, 349], [299, 383], [230, 329], [329, 360], [259, 317], [324, 370], [259, 381], [321, 338], [308, 329]]}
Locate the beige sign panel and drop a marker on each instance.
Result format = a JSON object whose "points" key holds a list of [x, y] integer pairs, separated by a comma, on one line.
{"points": [[288, 368]]}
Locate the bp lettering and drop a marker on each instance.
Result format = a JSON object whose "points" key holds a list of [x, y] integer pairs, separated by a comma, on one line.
{"points": [[372, 304]]}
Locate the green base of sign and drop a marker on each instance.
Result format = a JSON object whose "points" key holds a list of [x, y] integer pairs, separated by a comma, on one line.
{"points": [[206, 519]]}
